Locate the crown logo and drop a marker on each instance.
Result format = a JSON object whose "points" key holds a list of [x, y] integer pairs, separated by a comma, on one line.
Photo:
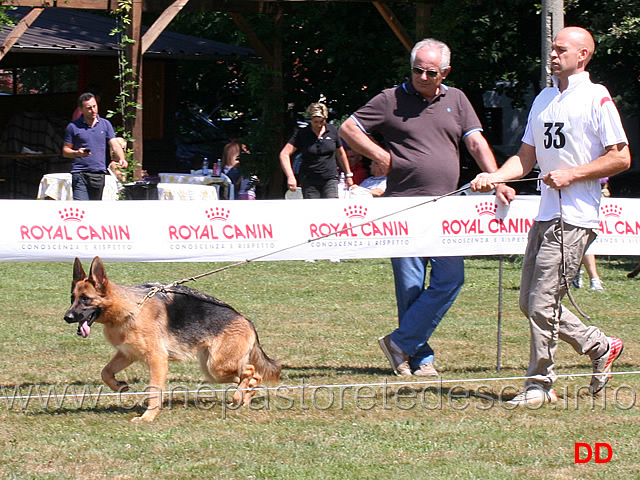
{"points": [[487, 208], [217, 213], [355, 211], [71, 214], [611, 210]]}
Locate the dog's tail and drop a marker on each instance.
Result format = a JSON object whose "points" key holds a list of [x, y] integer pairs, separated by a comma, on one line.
{"points": [[265, 366]]}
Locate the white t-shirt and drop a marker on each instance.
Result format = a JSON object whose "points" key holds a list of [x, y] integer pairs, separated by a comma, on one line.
{"points": [[374, 182], [568, 129]]}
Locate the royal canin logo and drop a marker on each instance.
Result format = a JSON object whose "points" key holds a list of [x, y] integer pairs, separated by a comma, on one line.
{"points": [[213, 230], [612, 222], [217, 213], [359, 228], [611, 211], [485, 222], [355, 211], [68, 230], [71, 214], [487, 208]]}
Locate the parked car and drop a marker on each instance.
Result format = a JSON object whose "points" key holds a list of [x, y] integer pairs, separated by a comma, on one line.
{"points": [[197, 137]]}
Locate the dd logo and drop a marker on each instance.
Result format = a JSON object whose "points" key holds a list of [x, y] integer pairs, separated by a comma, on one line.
{"points": [[590, 452]]}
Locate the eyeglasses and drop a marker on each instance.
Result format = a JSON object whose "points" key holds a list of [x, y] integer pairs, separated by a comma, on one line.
{"points": [[420, 71]]}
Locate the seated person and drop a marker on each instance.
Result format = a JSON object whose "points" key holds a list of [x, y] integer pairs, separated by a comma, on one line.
{"points": [[247, 190], [113, 165], [356, 163], [244, 188], [376, 184]]}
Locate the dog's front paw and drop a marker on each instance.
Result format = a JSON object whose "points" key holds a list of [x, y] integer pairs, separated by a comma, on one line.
{"points": [[147, 416]]}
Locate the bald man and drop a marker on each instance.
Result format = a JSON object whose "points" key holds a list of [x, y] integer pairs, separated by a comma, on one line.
{"points": [[575, 134]]}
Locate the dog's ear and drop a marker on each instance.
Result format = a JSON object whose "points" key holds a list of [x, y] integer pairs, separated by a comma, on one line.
{"points": [[78, 271], [98, 275]]}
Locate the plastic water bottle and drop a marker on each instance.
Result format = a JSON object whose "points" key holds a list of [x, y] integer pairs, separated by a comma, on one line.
{"points": [[205, 166], [217, 168], [341, 185]]}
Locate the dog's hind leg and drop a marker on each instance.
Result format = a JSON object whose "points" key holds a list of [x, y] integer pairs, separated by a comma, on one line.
{"points": [[225, 359], [249, 380], [118, 363]]}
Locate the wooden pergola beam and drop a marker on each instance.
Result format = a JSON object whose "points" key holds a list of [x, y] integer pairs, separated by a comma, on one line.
{"points": [[253, 38], [18, 30], [395, 25], [161, 23], [83, 4], [240, 6]]}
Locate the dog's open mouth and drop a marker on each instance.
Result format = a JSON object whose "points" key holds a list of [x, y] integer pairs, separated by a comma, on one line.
{"points": [[84, 327]]}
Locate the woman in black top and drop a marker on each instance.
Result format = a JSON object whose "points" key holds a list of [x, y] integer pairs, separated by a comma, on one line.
{"points": [[320, 147]]}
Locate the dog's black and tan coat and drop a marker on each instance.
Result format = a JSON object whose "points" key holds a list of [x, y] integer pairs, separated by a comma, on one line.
{"points": [[175, 324]]}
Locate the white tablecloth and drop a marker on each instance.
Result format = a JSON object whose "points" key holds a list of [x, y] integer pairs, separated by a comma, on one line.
{"points": [[57, 186], [191, 179], [185, 191], [197, 179]]}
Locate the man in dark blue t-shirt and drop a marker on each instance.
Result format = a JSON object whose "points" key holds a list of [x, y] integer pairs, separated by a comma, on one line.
{"points": [[87, 142]]}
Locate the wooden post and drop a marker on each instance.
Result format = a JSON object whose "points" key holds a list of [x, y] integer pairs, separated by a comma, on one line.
{"points": [[134, 81], [272, 104], [423, 18], [275, 108]]}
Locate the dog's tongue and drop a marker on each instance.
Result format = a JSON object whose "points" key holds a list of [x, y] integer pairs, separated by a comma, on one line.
{"points": [[84, 329]]}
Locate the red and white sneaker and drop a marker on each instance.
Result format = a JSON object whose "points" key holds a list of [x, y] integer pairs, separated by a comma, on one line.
{"points": [[602, 366]]}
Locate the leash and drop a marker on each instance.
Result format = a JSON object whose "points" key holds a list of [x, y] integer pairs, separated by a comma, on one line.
{"points": [[565, 279], [163, 288]]}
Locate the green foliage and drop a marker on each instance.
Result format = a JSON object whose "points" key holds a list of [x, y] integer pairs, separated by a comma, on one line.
{"points": [[4, 18], [491, 41], [315, 61], [345, 53], [615, 26], [127, 107]]}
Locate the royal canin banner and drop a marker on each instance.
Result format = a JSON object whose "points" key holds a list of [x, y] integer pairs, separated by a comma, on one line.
{"points": [[226, 231]]}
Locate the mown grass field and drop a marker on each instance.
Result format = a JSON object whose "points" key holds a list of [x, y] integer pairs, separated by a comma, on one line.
{"points": [[322, 320]]}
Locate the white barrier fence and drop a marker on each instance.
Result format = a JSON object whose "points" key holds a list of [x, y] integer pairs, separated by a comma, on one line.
{"points": [[288, 230]]}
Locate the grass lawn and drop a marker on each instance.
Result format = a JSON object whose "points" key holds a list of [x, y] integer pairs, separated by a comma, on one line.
{"points": [[343, 413]]}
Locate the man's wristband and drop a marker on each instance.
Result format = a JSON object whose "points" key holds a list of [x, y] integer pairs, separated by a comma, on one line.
{"points": [[348, 175]]}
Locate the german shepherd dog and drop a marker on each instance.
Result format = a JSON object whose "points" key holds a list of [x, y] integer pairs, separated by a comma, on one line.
{"points": [[176, 323]]}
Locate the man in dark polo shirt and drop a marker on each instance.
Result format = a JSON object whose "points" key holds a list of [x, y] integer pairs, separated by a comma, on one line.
{"points": [[422, 123], [86, 141]]}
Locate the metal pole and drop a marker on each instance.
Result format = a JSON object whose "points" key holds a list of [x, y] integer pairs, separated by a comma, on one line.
{"points": [[499, 352], [552, 21]]}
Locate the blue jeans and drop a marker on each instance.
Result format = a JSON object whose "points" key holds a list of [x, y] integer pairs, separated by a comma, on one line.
{"points": [[87, 185], [420, 310]]}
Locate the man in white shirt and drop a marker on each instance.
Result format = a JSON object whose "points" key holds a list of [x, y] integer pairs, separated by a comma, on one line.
{"points": [[575, 134]]}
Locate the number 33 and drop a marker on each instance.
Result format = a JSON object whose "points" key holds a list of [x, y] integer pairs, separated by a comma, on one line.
{"points": [[554, 139]]}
